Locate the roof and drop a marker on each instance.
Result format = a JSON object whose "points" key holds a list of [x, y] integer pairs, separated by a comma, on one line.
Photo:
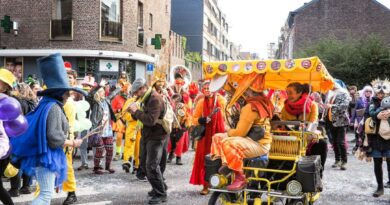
{"points": [[291, 15]]}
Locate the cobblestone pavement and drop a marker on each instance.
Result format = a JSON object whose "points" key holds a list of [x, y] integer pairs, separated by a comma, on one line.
{"points": [[353, 186]]}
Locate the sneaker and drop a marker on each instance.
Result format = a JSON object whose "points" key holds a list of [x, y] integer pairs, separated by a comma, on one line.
{"points": [[98, 170], [117, 157], [157, 199], [336, 164], [387, 185], [25, 190], [343, 166], [142, 178], [151, 193], [379, 192], [14, 192], [83, 166]]}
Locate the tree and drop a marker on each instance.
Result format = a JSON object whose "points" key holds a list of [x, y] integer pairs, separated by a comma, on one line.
{"points": [[357, 62]]}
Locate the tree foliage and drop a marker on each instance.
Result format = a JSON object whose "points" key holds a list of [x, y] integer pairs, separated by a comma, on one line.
{"points": [[356, 62]]}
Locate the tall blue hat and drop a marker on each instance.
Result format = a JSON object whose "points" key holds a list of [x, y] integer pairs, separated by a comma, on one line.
{"points": [[54, 75]]}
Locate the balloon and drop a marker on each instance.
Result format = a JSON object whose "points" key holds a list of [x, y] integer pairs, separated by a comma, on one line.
{"points": [[9, 109], [16, 127], [85, 105], [81, 115], [85, 124], [76, 127], [82, 105]]}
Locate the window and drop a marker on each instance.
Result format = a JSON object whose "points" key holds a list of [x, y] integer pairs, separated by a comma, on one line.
{"points": [[61, 25], [140, 23], [111, 19], [140, 15], [150, 21]]}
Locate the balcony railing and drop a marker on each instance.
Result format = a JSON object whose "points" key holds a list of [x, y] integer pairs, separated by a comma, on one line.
{"points": [[111, 30], [61, 29]]}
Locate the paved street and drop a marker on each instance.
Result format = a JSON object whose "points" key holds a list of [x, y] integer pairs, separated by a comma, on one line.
{"points": [[353, 186]]}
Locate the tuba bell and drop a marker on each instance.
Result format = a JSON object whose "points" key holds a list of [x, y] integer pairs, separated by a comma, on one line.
{"points": [[183, 72]]}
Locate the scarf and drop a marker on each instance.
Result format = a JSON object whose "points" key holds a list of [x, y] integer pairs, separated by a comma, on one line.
{"points": [[32, 150], [262, 105], [297, 108], [216, 124]]}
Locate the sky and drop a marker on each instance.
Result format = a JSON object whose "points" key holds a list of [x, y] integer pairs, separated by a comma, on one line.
{"points": [[256, 23]]}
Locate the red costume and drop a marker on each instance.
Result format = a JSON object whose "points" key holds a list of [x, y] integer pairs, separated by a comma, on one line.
{"points": [[203, 108]]}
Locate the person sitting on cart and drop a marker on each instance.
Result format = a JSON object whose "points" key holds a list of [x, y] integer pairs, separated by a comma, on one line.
{"points": [[251, 137], [293, 110]]}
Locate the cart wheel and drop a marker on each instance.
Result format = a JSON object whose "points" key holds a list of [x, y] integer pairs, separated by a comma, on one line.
{"points": [[219, 198], [296, 202]]}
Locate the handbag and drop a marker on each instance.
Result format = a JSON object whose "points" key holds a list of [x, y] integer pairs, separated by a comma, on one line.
{"points": [[369, 126], [199, 130], [256, 133], [384, 129]]}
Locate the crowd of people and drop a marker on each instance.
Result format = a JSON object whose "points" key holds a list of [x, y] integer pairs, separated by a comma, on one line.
{"points": [[130, 122]]}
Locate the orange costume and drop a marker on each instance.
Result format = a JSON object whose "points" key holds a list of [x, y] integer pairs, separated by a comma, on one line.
{"points": [[232, 147]]}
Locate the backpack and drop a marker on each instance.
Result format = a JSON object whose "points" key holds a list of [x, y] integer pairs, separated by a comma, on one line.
{"points": [[168, 116], [384, 129]]}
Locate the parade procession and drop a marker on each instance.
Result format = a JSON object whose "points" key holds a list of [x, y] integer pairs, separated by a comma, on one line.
{"points": [[156, 102]]}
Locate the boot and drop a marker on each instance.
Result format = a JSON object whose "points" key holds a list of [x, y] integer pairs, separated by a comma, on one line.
{"points": [[178, 161], [387, 185], [111, 171], [238, 183], [126, 167], [170, 157], [336, 164], [379, 192], [205, 190], [343, 166], [71, 199]]}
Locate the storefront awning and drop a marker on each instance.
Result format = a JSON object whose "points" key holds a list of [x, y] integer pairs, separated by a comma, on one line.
{"points": [[77, 53]]}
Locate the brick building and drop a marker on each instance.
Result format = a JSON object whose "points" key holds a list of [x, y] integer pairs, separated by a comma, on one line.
{"points": [[103, 37], [333, 18]]}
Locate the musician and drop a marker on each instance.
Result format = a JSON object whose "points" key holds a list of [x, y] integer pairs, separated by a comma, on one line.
{"points": [[132, 138], [182, 144], [213, 124], [117, 105]]}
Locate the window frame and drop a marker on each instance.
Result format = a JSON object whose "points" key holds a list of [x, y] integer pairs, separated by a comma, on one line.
{"points": [[111, 39]]}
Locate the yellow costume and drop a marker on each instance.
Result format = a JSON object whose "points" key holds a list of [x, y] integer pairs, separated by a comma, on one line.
{"points": [[132, 135], [70, 112]]}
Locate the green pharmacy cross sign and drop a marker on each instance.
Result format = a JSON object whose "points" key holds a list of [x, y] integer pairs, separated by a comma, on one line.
{"points": [[109, 66], [6, 23], [156, 41]]}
